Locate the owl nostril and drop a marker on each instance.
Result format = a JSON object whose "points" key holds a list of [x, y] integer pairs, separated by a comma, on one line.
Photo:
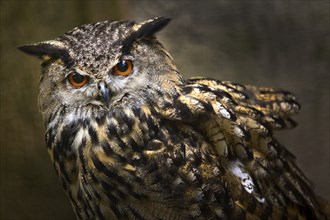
{"points": [[104, 92]]}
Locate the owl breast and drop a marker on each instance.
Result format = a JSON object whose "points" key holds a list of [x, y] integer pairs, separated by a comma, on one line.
{"points": [[114, 165]]}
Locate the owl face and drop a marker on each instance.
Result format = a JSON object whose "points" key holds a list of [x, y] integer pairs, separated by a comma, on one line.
{"points": [[94, 66]]}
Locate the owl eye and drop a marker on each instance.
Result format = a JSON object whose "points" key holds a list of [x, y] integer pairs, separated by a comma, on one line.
{"points": [[124, 67], [77, 80]]}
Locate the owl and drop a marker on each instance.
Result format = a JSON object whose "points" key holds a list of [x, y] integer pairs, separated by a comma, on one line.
{"points": [[131, 139]]}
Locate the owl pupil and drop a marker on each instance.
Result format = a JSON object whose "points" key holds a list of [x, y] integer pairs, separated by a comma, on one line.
{"points": [[78, 78], [122, 66]]}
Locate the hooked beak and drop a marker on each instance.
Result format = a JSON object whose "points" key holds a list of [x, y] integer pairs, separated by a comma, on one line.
{"points": [[104, 92]]}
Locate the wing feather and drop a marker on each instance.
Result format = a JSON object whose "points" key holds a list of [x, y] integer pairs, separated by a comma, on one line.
{"points": [[240, 130]]}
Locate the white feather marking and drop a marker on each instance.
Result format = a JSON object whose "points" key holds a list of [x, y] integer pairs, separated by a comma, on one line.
{"points": [[78, 139], [238, 131], [238, 170], [216, 171], [70, 117], [222, 110]]}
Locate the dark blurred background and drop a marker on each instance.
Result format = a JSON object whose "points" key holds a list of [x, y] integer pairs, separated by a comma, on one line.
{"points": [[272, 43]]}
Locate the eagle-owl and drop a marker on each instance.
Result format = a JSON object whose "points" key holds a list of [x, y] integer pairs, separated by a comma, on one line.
{"points": [[131, 139]]}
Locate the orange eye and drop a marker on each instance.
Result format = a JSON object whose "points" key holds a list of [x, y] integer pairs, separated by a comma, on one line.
{"points": [[77, 80], [123, 68]]}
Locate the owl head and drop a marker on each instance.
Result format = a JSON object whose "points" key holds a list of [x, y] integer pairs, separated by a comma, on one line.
{"points": [[96, 65]]}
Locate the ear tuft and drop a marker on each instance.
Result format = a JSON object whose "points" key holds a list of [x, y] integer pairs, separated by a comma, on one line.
{"points": [[145, 29], [152, 26], [52, 49]]}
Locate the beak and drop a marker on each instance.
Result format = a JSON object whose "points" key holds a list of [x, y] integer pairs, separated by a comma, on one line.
{"points": [[104, 92]]}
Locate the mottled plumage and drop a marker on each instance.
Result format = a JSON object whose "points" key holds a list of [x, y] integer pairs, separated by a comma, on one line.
{"points": [[131, 139]]}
